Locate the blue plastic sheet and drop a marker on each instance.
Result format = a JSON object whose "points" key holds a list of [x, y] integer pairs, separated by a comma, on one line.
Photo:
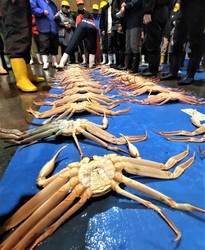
{"points": [[113, 221]]}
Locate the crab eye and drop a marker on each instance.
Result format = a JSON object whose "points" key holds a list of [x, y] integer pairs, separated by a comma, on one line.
{"points": [[91, 158]]}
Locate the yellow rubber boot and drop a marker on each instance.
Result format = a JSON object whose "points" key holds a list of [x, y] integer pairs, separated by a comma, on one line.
{"points": [[32, 77], [21, 75]]}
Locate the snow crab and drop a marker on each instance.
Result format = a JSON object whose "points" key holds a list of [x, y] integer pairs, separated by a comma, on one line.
{"points": [[66, 128], [163, 98], [68, 110], [93, 176], [200, 130]]}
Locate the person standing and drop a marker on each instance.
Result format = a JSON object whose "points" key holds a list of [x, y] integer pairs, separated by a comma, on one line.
{"points": [[35, 47], [44, 11], [190, 24], [111, 28], [66, 25], [156, 14], [17, 35], [133, 15]]}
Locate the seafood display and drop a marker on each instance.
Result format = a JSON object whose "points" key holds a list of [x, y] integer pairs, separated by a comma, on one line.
{"points": [[71, 128], [93, 176], [65, 192]]}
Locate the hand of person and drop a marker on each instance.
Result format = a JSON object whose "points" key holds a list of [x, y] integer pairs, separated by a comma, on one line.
{"points": [[46, 12], [147, 18], [103, 33], [123, 5], [67, 25]]}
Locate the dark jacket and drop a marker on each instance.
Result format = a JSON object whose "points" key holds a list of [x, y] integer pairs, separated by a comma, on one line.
{"points": [[150, 5], [134, 14], [116, 5]]}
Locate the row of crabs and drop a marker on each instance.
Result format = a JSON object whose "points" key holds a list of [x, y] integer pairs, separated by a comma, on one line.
{"points": [[90, 177]]}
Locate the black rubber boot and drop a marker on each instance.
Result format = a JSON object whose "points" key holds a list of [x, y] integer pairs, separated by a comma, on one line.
{"points": [[191, 70], [153, 60], [175, 64], [121, 60], [128, 62], [135, 63]]}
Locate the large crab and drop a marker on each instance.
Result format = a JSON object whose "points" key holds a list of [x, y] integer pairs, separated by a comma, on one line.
{"points": [[189, 135], [163, 98], [72, 128], [69, 109], [91, 177]]}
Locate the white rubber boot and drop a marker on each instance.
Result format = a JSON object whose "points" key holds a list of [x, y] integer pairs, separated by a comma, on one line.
{"points": [[91, 60], [63, 60], [109, 60], [76, 57], [114, 58], [31, 61], [84, 59], [38, 57], [104, 57], [45, 62], [54, 61]]}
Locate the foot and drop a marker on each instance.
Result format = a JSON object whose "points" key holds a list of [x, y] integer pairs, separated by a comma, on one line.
{"points": [[26, 85], [46, 65], [186, 80], [37, 79], [3, 71], [84, 65], [149, 74], [55, 65], [169, 76]]}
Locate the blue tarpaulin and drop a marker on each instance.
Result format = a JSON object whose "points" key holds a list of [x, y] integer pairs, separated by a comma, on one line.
{"points": [[113, 221]]}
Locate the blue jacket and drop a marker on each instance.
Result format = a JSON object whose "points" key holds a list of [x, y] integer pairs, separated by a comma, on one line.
{"points": [[45, 24]]}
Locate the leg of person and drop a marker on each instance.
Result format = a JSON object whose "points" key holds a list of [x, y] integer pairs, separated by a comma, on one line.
{"points": [[110, 49], [44, 41], [17, 35], [2, 69], [135, 39], [53, 49], [104, 49], [196, 35], [177, 49], [128, 53], [154, 37], [91, 44], [36, 41]]}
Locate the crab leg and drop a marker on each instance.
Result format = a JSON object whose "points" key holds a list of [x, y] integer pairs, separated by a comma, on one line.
{"points": [[147, 204], [187, 139], [149, 171], [34, 203], [160, 196], [104, 135], [50, 112], [157, 195], [33, 134], [60, 211], [198, 131], [97, 140]]}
